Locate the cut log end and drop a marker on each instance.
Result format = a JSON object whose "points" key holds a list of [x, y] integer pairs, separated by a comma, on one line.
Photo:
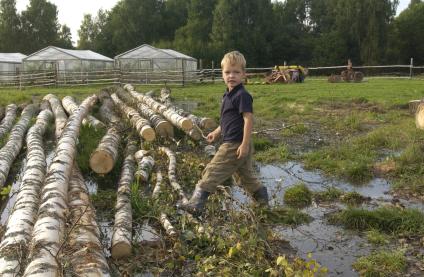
{"points": [[163, 128], [208, 123], [101, 162], [419, 117], [186, 124], [148, 133], [121, 250]]}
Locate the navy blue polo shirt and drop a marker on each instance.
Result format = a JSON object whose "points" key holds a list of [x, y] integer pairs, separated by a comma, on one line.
{"points": [[234, 103]]}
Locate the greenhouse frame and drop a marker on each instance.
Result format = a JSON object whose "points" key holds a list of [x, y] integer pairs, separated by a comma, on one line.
{"points": [[149, 58], [11, 62], [61, 60]]}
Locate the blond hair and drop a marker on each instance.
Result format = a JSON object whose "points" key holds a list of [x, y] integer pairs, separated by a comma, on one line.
{"points": [[234, 58]]}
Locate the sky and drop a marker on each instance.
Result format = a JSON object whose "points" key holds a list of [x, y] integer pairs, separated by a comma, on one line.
{"points": [[71, 12]]}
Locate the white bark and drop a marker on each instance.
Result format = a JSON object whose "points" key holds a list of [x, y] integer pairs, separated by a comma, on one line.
{"points": [[20, 224], [8, 120], [14, 143], [158, 185], [103, 159], [140, 124], [71, 106], [173, 117], [172, 173], [49, 228], [145, 164], [122, 229], [60, 116], [87, 256]]}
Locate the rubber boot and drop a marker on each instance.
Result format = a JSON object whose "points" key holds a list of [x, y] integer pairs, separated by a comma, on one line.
{"points": [[197, 202], [261, 196]]}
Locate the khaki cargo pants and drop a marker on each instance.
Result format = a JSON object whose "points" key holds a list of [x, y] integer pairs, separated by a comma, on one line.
{"points": [[225, 164]]}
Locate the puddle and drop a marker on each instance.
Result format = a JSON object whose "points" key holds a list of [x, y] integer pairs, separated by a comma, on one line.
{"points": [[332, 246]]}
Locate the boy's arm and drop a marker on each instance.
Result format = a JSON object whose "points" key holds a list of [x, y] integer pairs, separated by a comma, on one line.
{"points": [[243, 149], [212, 136]]}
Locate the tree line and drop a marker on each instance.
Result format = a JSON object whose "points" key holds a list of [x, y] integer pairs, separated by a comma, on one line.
{"points": [[307, 32]]}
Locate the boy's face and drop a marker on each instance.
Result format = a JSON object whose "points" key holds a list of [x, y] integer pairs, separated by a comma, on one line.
{"points": [[232, 75]]}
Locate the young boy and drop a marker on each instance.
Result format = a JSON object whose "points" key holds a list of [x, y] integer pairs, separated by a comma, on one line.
{"points": [[234, 156]]}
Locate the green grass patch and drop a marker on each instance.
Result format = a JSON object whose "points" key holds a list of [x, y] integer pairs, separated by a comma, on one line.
{"points": [[327, 195], [376, 237], [353, 198], [390, 220], [280, 153], [298, 196], [261, 143], [381, 264], [297, 129], [285, 216]]}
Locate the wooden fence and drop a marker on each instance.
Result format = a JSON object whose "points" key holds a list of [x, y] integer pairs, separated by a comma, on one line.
{"points": [[110, 77]]}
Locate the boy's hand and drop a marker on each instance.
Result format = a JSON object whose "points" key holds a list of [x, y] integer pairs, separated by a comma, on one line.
{"points": [[212, 136], [242, 151]]}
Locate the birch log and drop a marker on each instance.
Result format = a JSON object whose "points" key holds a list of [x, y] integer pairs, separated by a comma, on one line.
{"points": [[14, 143], [176, 119], [140, 124], [87, 256], [48, 231], [20, 224], [203, 122], [176, 186], [103, 159], [71, 106], [172, 173], [122, 229], [2, 111], [84, 242], [419, 116], [145, 164], [162, 127], [60, 116], [163, 218], [8, 120]]}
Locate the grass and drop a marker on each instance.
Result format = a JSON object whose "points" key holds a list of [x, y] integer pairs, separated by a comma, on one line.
{"points": [[358, 125], [327, 195], [381, 264], [298, 196], [389, 220]]}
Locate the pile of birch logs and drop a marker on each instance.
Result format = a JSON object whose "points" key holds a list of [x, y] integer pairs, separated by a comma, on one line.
{"points": [[52, 222]]}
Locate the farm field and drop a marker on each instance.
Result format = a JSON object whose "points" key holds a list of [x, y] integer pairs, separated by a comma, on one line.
{"points": [[343, 163]]}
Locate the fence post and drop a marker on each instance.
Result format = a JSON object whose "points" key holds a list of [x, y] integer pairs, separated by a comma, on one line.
{"points": [[183, 71], [213, 72], [411, 68]]}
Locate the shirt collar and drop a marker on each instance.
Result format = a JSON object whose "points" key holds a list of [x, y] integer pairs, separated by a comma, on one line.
{"points": [[236, 88]]}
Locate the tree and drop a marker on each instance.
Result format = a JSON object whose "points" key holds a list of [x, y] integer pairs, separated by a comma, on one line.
{"points": [[194, 37], [243, 25], [40, 25], [134, 22], [408, 36], [65, 37], [10, 27]]}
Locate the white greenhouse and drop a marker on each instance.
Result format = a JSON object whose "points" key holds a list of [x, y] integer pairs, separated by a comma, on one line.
{"points": [[64, 60], [149, 58], [11, 62], [148, 64]]}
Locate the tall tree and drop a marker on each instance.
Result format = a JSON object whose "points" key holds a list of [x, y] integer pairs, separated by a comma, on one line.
{"points": [[193, 38], [40, 25], [408, 37], [65, 37], [244, 25], [10, 27], [134, 22]]}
